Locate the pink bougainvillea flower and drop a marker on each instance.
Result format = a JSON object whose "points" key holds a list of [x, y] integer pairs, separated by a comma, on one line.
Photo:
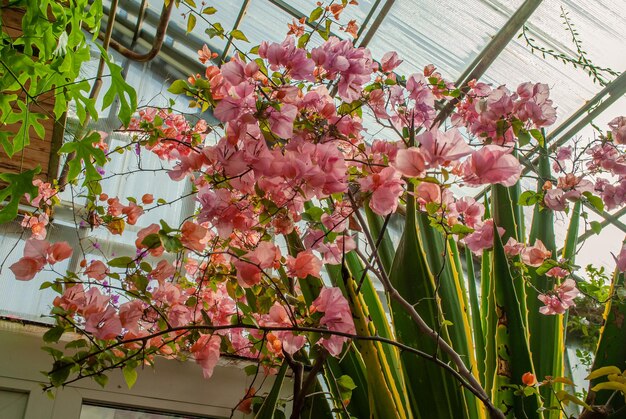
{"points": [[618, 129], [466, 210], [390, 61], [97, 270], [513, 247], [281, 122], [304, 264], [536, 254], [130, 315], [163, 270], [59, 251], [442, 148], [410, 162], [37, 225], [560, 299], [265, 254], [194, 236], [482, 237], [557, 272], [104, 324], [206, 352], [428, 192], [386, 188], [155, 251], [26, 268], [132, 212], [248, 273], [72, 299], [491, 164], [337, 317]]}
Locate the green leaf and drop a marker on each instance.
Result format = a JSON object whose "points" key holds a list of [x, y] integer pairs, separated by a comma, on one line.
{"points": [[269, 405], [53, 335], [316, 14], [595, 201], [529, 198], [121, 262], [101, 379], [17, 186], [86, 155], [191, 23], [523, 138], [178, 87], [596, 227], [537, 135], [237, 34], [346, 385], [209, 11], [60, 372], [303, 40], [130, 376], [124, 91]]}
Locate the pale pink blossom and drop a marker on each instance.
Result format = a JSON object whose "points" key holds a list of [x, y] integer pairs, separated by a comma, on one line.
{"points": [[410, 162], [536, 254], [304, 264], [206, 351], [104, 324], [390, 61], [386, 188], [618, 129], [443, 148], [491, 164], [559, 300], [97, 270], [337, 317], [482, 237], [513, 247]]}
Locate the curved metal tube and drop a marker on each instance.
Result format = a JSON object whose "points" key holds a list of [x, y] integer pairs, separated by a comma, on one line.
{"points": [[158, 39]]}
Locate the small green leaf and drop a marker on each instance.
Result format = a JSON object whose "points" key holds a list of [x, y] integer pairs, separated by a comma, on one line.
{"points": [[18, 185], [237, 34], [596, 227], [120, 262], [191, 23], [53, 335], [209, 11], [130, 376], [303, 40], [595, 201], [316, 14], [178, 87], [101, 379]]}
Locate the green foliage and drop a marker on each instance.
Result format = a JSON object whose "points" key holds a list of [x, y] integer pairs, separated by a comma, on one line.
{"points": [[18, 185]]}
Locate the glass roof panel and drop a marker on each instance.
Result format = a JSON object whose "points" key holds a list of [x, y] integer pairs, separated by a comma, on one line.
{"points": [[570, 87], [448, 34]]}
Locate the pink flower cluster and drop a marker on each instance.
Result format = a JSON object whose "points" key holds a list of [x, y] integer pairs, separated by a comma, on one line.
{"points": [[487, 109], [560, 299], [36, 254]]}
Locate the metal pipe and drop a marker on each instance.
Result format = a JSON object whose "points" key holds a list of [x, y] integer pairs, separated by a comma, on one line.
{"points": [[377, 22], [240, 16], [489, 54], [367, 19], [161, 31], [603, 223]]}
